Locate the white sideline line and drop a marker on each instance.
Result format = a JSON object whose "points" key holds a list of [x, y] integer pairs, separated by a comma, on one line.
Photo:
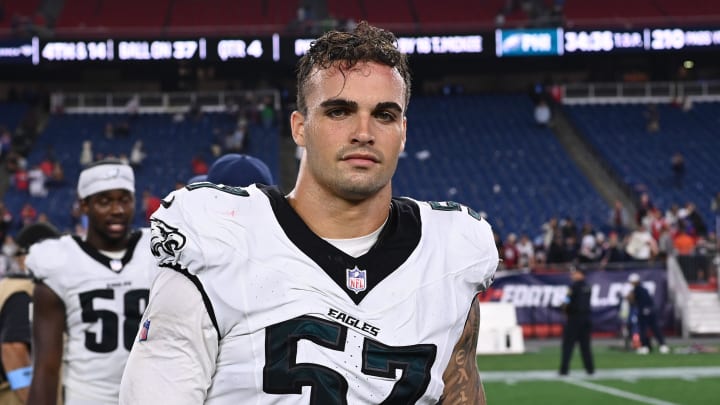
{"points": [[579, 378], [617, 392], [603, 374]]}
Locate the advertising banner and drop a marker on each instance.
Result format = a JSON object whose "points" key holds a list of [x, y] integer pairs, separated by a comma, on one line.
{"points": [[538, 298]]}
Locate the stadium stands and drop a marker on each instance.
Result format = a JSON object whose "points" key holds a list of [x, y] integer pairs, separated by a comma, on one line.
{"points": [[11, 114], [170, 147], [642, 159], [190, 13], [414, 16], [486, 152], [482, 151]]}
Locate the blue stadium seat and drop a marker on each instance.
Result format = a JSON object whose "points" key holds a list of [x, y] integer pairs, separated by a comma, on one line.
{"points": [[486, 152], [169, 146], [642, 159]]}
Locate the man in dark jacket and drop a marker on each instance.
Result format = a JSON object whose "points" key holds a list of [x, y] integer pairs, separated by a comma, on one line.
{"points": [[644, 305], [579, 325]]}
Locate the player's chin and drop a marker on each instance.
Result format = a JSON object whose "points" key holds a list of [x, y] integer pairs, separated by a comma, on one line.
{"points": [[361, 188], [116, 231]]}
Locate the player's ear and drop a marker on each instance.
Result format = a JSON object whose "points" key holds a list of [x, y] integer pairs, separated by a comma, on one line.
{"points": [[297, 125]]}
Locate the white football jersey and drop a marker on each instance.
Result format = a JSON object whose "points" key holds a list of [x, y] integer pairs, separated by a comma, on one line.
{"points": [[301, 322], [104, 300]]}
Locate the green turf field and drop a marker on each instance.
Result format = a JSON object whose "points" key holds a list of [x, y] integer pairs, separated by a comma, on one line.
{"points": [[682, 377]]}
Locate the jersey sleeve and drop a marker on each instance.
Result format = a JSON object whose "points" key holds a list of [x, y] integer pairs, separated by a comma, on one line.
{"points": [[48, 271], [173, 358], [485, 253], [468, 240], [189, 230]]}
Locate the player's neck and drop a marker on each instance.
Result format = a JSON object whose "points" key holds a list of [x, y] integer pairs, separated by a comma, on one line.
{"points": [[337, 218], [100, 242]]}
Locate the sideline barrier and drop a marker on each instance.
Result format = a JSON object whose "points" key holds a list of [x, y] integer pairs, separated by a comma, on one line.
{"points": [[499, 330]]}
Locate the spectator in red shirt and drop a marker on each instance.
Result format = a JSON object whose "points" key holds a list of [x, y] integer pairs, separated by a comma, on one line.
{"points": [[509, 253], [22, 180], [28, 214], [150, 203], [199, 165]]}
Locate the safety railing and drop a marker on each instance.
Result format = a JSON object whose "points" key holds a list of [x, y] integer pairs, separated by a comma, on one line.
{"points": [[647, 92], [158, 102]]}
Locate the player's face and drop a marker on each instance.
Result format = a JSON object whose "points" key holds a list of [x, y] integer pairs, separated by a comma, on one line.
{"points": [[354, 129], [110, 214]]}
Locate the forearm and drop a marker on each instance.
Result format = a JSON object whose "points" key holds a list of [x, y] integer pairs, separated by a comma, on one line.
{"points": [[48, 329], [463, 386], [16, 361], [44, 387], [15, 355], [462, 380]]}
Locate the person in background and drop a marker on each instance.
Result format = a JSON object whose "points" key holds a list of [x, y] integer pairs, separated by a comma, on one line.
{"points": [[615, 251], [239, 170], [715, 204], [652, 118], [526, 252], [619, 219], [137, 154], [641, 246], [15, 331], [640, 298], [578, 327], [677, 164], [90, 293], [510, 254], [86, 153], [198, 165], [6, 221], [543, 114], [337, 292], [150, 204]]}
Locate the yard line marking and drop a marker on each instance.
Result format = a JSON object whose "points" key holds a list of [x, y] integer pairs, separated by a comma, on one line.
{"points": [[617, 392]]}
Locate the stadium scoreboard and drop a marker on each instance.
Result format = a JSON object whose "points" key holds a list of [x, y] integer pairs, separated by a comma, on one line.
{"points": [[277, 48]]}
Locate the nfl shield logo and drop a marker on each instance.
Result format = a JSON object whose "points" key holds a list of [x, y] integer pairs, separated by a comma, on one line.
{"points": [[356, 279]]}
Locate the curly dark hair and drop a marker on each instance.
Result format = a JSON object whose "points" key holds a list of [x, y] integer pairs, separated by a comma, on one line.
{"points": [[365, 43]]}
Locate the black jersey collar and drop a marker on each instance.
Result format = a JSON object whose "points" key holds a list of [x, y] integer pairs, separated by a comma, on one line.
{"points": [[111, 264], [396, 242]]}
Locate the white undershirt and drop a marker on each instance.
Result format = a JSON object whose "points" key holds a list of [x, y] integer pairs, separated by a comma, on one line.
{"points": [[357, 247], [114, 255]]}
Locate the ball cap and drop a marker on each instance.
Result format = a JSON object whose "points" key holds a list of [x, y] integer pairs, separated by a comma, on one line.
{"points": [[104, 175], [239, 170], [634, 278]]}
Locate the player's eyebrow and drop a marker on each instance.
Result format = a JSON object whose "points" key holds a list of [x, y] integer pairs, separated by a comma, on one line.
{"points": [[389, 105], [353, 106], [339, 102]]}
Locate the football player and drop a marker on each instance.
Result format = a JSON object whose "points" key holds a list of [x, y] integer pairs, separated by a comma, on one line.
{"points": [[15, 303], [93, 290], [337, 293]]}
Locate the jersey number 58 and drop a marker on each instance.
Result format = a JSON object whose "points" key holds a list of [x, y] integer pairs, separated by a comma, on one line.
{"points": [[133, 300]]}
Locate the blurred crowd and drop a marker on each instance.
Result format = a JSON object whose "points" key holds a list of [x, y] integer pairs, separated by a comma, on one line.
{"points": [[653, 234]]}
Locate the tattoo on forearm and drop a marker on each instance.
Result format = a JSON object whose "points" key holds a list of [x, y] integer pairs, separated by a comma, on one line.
{"points": [[460, 360], [462, 380]]}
